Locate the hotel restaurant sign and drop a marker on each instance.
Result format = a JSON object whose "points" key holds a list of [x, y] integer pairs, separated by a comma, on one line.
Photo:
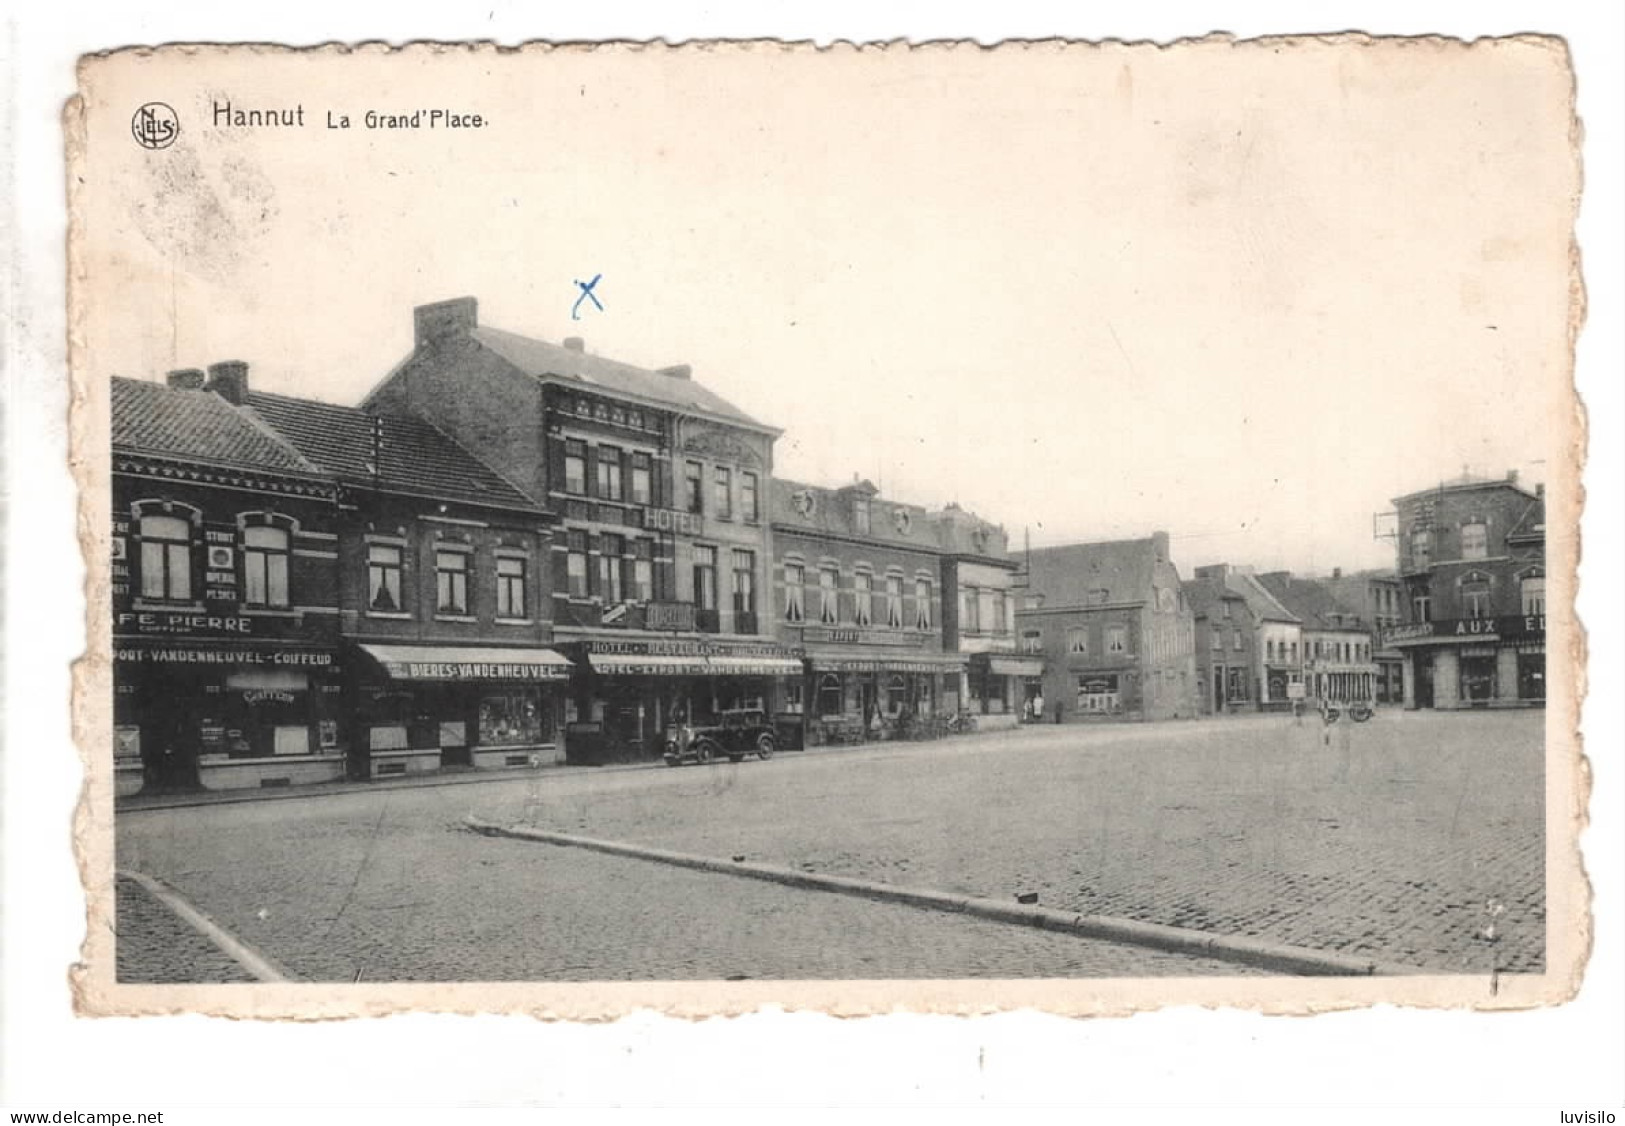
{"points": [[1519, 627]]}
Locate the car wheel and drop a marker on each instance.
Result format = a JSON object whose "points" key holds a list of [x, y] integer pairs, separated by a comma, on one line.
{"points": [[702, 753], [764, 746]]}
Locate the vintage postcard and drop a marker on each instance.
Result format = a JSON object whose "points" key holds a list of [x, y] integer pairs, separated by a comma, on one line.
{"points": [[1076, 526]]}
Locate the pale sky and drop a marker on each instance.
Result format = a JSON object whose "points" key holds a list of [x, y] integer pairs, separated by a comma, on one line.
{"points": [[1244, 295]]}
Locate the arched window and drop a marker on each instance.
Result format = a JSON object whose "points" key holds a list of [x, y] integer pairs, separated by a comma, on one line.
{"points": [[166, 558], [1532, 589], [829, 694], [265, 565]]}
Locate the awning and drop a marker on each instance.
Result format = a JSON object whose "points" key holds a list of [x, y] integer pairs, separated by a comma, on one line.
{"points": [[646, 664], [1003, 665], [754, 666], [459, 662]]}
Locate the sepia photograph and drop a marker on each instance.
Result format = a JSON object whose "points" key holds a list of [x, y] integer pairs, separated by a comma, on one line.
{"points": [[1086, 527]]}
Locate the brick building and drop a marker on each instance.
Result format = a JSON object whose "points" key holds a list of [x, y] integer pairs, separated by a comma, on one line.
{"points": [[983, 586], [858, 595], [1338, 665], [1115, 630], [443, 569], [225, 593], [1226, 640], [663, 545], [1472, 556]]}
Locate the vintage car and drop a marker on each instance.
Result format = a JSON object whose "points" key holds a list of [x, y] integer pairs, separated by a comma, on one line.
{"points": [[737, 733]]}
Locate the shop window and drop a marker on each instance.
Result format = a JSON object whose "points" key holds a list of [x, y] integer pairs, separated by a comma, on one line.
{"points": [[1533, 593], [609, 473], [612, 568], [1475, 596], [642, 479], [643, 570], [384, 577], [896, 694], [1474, 541], [575, 467], [265, 566], [451, 582], [829, 694], [1117, 638], [795, 578], [510, 586], [795, 697], [694, 487], [723, 488], [828, 591], [513, 718], [862, 598], [166, 558], [749, 506], [1077, 640], [744, 591], [922, 603]]}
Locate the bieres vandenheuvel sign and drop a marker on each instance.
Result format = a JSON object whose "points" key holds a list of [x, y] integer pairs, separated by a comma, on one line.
{"points": [[1518, 626]]}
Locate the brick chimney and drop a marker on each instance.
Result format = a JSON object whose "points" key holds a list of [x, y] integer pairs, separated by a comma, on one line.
{"points": [[1159, 544], [575, 343], [1337, 572], [677, 371], [1512, 476], [433, 323], [229, 380], [185, 379]]}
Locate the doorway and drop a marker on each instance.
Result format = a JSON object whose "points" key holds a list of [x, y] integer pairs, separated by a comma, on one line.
{"points": [[1424, 679]]}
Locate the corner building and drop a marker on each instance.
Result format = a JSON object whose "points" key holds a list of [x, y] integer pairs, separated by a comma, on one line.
{"points": [[1472, 556], [660, 556]]}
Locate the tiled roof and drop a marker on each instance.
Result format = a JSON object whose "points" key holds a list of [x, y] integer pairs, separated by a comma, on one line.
{"points": [[199, 426], [831, 513], [1310, 601], [1203, 594], [539, 358], [1263, 605], [414, 456], [1066, 576]]}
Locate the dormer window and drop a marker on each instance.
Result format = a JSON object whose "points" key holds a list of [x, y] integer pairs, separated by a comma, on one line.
{"points": [[860, 515]]}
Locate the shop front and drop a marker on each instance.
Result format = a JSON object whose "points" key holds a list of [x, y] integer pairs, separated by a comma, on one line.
{"points": [[422, 708], [627, 693], [1473, 662], [219, 715], [854, 699], [1004, 688]]}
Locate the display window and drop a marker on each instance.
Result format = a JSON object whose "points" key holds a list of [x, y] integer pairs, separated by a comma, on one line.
{"points": [[513, 717]]}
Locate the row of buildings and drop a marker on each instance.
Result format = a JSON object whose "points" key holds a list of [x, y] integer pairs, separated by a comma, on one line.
{"points": [[513, 551]]}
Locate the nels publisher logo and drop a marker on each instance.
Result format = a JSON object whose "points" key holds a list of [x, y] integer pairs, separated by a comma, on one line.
{"points": [[155, 126]]}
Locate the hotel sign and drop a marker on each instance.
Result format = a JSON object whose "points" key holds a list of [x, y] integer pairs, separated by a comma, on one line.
{"points": [[683, 649], [824, 636], [1520, 626], [671, 520]]}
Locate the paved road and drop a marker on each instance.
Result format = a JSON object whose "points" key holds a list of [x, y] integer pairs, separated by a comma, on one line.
{"points": [[1387, 842], [402, 894]]}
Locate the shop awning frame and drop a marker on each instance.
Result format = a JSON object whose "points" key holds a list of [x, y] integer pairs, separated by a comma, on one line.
{"points": [[443, 663], [660, 664]]}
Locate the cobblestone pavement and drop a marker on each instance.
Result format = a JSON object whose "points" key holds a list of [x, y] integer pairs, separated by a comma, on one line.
{"points": [[154, 946], [405, 896], [1384, 840]]}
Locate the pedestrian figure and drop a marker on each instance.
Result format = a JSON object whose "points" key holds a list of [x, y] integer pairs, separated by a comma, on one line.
{"points": [[1038, 707]]}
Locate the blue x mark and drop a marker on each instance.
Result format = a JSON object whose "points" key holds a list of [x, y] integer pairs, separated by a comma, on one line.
{"points": [[586, 295]]}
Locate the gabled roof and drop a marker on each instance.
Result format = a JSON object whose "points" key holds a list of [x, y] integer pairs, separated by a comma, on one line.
{"points": [[1203, 594], [154, 418], [414, 457], [540, 359], [1066, 576], [1260, 602], [1311, 602]]}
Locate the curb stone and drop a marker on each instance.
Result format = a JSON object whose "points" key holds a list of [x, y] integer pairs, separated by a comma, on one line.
{"points": [[1258, 953]]}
